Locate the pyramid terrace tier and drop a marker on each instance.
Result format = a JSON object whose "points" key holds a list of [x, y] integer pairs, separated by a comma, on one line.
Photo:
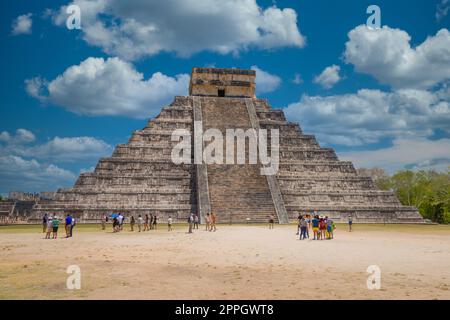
{"points": [[116, 180], [337, 198], [292, 184], [360, 214]]}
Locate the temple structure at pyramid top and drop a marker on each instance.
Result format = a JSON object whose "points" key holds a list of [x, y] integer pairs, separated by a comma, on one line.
{"points": [[141, 178], [213, 82]]}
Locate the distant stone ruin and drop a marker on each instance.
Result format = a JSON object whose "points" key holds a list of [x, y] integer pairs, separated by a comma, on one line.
{"points": [[141, 178]]}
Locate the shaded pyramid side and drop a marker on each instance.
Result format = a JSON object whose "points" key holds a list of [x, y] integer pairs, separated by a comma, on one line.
{"points": [[139, 177]]}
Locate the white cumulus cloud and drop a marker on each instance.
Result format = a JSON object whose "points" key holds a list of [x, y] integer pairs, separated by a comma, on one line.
{"points": [[22, 24], [265, 81], [108, 87], [369, 116], [134, 28], [387, 55], [329, 76], [418, 153], [66, 149], [17, 173]]}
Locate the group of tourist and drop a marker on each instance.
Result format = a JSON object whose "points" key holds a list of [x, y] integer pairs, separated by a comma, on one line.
{"points": [[322, 227], [50, 226], [210, 222]]}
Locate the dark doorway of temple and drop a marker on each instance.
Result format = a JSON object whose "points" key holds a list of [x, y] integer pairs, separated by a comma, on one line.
{"points": [[221, 93]]}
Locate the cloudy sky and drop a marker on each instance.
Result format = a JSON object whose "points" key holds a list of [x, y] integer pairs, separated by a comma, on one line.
{"points": [[379, 97]]}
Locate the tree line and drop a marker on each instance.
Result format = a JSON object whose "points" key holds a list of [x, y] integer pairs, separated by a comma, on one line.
{"points": [[427, 190]]}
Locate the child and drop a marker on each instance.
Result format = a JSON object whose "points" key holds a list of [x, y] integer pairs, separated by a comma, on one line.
{"points": [[330, 229], [169, 223], [315, 227], [322, 228]]}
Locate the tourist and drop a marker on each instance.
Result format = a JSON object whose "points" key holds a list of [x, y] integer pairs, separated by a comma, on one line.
{"points": [[140, 221], [146, 222], [132, 222], [330, 228], [55, 225], [350, 223], [299, 219], [49, 227], [315, 227], [308, 225], [154, 222], [104, 220], [119, 222], [303, 228], [44, 222], [271, 221], [150, 222], [114, 224], [68, 224], [190, 222], [169, 223], [322, 228], [208, 221], [195, 221], [72, 225], [213, 222]]}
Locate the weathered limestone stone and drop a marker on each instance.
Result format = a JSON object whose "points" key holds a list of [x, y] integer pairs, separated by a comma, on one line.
{"points": [[140, 177]]}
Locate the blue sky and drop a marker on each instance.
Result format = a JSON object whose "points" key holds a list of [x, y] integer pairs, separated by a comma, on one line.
{"points": [[379, 97]]}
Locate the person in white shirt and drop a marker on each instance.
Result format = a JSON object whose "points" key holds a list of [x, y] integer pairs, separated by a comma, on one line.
{"points": [[140, 221], [119, 222], [169, 223]]}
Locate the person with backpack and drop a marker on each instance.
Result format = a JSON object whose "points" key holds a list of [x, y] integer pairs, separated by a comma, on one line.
{"points": [[55, 225]]}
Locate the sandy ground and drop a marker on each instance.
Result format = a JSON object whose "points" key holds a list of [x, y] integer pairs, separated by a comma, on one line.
{"points": [[236, 262]]}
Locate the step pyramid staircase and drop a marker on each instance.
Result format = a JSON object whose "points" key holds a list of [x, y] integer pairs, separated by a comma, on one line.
{"points": [[141, 178]]}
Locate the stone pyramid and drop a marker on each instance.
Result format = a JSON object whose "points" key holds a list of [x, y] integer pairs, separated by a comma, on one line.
{"points": [[141, 178]]}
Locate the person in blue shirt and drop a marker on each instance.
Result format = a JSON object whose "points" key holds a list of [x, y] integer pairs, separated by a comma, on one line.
{"points": [[68, 225]]}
